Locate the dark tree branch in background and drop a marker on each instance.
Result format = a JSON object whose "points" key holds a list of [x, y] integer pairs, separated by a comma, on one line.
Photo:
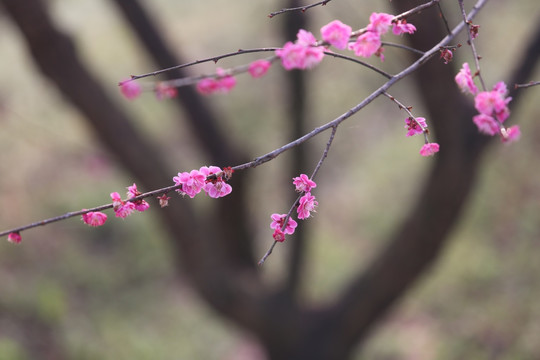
{"points": [[233, 293], [208, 130], [296, 100], [417, 242]]}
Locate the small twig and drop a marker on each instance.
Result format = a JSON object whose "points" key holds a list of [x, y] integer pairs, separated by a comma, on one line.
{"points": [[471, 43], [404, 47], [407, 109], [369, 66], [529, 84], [319, 164], [215, 59], [71, 214], [415, 10], [300, 8], [441, 13], [325, 153]]}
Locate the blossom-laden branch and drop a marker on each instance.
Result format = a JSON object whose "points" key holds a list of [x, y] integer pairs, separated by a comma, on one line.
{"points": [[415, 126], [215, 182], [305, 53], [472, 33], [306, 202]]}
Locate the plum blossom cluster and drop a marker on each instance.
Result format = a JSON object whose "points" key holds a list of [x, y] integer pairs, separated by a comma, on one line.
{"points": [[416, 126], [491, 105], [122, 209], [210, 179], [369, 43], [306, 51], [131, 89], [306, 204]]}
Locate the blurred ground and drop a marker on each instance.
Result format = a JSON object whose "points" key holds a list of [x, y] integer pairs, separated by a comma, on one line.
{"points": [[111, 292]]}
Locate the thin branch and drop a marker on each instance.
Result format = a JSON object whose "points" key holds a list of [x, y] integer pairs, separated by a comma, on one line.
{"points": [[407, 109], [471, 43], [300, 8], [441, 14], [71, 214], [354, 60], [529, 84], [415, 10], [325, 153], [319, 164], [404, 47], [215, 59]]}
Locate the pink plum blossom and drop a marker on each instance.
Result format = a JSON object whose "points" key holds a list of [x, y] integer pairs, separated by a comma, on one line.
{"points": [[306, 204], [164, 91], [292, 56], [303, 183], [303, 54], [117, 200], [305, 38], [278, 235], [278, 221], [379, 23], [226, 81], [336, 34], [465, 81], [429, 149], [164, 200], [94, 218], [121, 209], [223, 83], [473, 30], [446, 55], [130, 89], [125, 210], [494, 102], [191, 182], [486, 124], [140, 205], [258, 68], [513, 133], [14, 237], [401, 26], [215, 186], [208, 86], [366, 44], [313, 56], [413, 127]]}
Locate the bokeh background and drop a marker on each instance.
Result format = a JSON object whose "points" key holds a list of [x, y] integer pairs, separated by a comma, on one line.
{"points": [[114, 293]]}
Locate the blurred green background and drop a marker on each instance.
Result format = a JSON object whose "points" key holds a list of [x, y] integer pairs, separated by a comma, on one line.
{"points": [[113, 293]]}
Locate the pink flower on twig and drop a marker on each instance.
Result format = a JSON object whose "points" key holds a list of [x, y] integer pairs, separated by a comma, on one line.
{"points": [[429, 149], [94, 218], [130, 89], [366, 44], [336, 34], [307, 204]]}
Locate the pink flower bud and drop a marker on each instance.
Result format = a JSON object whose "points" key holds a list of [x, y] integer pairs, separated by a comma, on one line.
{"points": [[14, 237]]}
